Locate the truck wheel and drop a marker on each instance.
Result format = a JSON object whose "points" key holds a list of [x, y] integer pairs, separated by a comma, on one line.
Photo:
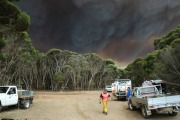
{"points": [[144, 112], [131, 107], [26, 104], [173, 113]]}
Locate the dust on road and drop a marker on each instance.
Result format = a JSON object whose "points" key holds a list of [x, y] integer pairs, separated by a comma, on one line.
{"points": [[83, 105]]}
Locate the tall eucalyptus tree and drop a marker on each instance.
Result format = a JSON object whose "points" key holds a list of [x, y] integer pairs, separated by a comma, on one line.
{"points": [[95, 64], [12, 23]]}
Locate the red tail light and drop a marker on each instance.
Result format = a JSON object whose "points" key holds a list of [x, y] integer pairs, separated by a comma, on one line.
{"points": [[151, 107]]}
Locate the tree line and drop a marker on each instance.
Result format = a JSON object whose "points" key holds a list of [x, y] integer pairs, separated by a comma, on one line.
{"points": [[22, 64], [162, 63]]}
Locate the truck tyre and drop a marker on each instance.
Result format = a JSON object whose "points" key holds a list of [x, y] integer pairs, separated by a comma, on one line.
{"points": [[131, 107], [173, 113], [144, 112], [26, 104]]}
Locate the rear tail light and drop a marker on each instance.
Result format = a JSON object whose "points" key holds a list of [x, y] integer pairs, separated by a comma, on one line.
{"points": [[151, 107]]}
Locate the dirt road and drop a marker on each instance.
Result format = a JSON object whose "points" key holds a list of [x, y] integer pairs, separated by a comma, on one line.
{"points": [[76, 106]]}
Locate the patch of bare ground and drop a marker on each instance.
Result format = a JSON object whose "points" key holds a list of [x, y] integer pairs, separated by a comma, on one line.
{"points": [[79, 105]]}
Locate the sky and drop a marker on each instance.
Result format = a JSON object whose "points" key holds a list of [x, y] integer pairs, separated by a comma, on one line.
{"points": [[121, 30]]}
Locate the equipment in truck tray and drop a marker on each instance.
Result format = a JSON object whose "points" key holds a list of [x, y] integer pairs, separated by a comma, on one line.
{"points": [[25, 93]]}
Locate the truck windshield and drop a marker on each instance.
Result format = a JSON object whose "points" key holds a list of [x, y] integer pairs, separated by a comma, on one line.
{"points": [[124, 81], [3, 89]]}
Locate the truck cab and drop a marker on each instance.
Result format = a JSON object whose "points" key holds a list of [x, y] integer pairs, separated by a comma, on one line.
{"points": [[8, 95]]}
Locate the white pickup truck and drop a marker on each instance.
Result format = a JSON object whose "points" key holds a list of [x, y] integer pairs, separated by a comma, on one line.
{"points": [[11, 95], [149, 99]]}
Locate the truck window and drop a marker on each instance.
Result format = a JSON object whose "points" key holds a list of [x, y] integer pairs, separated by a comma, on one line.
{"points": [[148, 90], [3, 89], [12, 91]]}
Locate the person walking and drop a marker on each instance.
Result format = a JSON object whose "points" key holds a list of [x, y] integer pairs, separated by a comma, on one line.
{"points": [[104, 97]]}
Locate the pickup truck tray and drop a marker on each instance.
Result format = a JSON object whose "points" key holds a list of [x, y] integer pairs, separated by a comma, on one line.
{"points": [[164, 101], [25, 93]]}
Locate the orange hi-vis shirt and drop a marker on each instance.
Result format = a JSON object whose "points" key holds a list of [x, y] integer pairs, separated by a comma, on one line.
{"points": [[104, 96]]}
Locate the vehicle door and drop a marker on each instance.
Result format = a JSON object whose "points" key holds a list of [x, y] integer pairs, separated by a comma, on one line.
{"points": [[12, 96], [134, 96]]}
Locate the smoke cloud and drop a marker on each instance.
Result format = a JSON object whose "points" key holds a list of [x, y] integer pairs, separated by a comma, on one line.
{"points": [[119, 29]]}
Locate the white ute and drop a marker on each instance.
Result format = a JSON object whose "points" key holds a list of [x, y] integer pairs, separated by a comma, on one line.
{"points": [[11, 95], [150, 98]]}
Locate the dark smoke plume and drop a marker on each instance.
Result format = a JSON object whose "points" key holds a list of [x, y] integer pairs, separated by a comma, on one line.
{"points": [[120, 29]]}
